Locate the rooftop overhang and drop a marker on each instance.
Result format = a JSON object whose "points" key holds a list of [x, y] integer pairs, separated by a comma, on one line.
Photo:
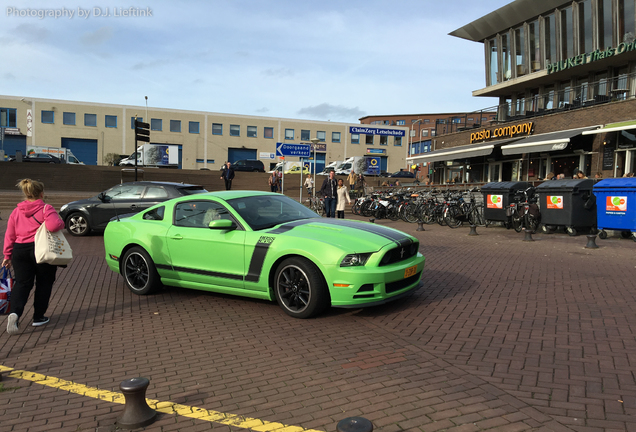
{"points": [[505, 17]]}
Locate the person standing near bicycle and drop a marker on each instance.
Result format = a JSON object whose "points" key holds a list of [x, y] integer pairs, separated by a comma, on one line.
{"points": [[343, 195], [309, 184], [329, 191]]}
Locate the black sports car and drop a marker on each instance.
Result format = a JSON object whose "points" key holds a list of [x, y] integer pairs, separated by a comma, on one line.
{"points": [[93, 214]]}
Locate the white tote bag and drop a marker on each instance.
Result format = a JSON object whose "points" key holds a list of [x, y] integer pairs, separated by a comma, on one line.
{"points": [[52, 247]]}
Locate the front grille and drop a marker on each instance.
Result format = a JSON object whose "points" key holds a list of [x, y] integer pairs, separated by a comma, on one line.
{"points": [[396, 286], [400, 253]]}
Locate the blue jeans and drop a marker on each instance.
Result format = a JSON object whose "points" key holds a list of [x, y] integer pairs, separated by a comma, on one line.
{"points": [[330, 207]]}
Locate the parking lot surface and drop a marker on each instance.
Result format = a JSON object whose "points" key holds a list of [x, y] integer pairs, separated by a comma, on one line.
{"points": [[504, 335]]}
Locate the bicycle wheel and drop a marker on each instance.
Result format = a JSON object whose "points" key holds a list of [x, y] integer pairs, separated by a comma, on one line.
{"points": [[533, 223], [475, 217], [355, 208], [411, 213], [366, 208], [451, 214], [516, 220], [392, 212], [380, 212]]}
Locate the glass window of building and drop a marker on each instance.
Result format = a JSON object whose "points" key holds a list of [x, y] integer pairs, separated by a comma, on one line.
{"points": [[400, 122], [355, 138], [493, 64], [217, 129], [368, 139], [424, 132], [427, 120], [397, 141], [132, 121], [384, 140], [8, 117], [581, 92], [600, 87], [268, 132], [550, 48], [175, 125], [433, 132], [505, 56], [605, 39], [535, 45], [289, 134], [567, 33], [520, 51], [626, 21], [565, 90], [548, 97], [110, 121], [68, 118], [521, 104], [251, 132], [235, 130], [48, 117], [193, 127], [156, 124], [90, 120], [586, 43], [335, 137], [305, 135], [321, 135]]}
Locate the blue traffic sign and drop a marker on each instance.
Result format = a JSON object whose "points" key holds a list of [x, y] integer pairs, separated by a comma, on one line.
{"points": [[297, 150]]}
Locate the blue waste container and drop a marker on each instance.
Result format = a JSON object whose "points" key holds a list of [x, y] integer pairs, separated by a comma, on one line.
{"points": [[616, 206]]}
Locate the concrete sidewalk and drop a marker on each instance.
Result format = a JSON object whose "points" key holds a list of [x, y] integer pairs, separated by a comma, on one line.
{"points": [[505, 335]]}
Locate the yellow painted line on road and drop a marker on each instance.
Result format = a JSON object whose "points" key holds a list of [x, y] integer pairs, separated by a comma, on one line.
{"points": [[163, 407]]}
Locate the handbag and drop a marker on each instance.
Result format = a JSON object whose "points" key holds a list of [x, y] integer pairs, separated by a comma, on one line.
{"points": [[6, 285], [51, 247]]}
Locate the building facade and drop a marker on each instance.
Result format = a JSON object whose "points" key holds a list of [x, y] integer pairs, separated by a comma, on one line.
{"points": [[205, 139], [565, 76]]}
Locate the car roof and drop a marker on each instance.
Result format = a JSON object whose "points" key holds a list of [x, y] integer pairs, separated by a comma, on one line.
{"points": [[162, 183], [231, 194]]}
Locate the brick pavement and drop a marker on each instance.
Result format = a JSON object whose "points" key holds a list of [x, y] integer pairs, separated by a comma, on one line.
{"points": [[504, 335]]}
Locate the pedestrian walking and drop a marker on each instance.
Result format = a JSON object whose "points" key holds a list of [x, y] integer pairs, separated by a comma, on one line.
{"points": [[309, 184], [228, 175], [329, 191], [273, 182], [352, 179], [19, 253], [343, 195]]}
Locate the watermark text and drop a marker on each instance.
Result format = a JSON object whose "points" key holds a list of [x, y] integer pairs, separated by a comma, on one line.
{"points": [[95, 12]]}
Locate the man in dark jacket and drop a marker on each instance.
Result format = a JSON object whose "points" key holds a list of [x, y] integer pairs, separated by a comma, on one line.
{"points": [[228, 175], [329, 190]]}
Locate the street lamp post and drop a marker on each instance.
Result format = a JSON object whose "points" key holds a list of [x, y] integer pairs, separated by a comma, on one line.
{"points": [[315, 142]]}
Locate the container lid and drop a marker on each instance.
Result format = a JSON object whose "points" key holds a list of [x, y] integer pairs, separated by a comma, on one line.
{"points": [[510, 185], [616, 183], [565, 184]]}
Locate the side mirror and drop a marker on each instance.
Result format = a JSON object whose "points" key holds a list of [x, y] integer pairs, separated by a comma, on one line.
{"points": [[222, 224], [101, 197]]}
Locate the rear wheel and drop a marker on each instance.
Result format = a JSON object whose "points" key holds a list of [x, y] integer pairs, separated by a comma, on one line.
{"points": [[140, 272], [77, 225], [300, 289], [571, 231], [451, 216], [517, 221], [602, 234], [626, 234], [533, 223]]}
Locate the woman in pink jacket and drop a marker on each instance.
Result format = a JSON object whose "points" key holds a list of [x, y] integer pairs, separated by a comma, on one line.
{"points": [[19, 253]]}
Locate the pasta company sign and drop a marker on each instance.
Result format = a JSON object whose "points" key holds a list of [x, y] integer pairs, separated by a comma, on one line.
{"points": [[376, 131], [502, 132]]}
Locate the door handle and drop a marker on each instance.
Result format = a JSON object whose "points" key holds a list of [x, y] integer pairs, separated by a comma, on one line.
{"points": [[177, 237], [133, 206]]}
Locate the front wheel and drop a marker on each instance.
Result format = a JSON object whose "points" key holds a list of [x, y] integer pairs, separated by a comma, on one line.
{"points": [[77, 225], [300, 289], [571, 231], [517, 221], [602, 234], [533, 223], [140, 272]]}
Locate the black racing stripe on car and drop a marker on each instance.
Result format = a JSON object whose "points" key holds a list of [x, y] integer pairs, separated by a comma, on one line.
{"points": [[291, 225], [375, 229], [208, 273], [163, 266], [258, 257]]}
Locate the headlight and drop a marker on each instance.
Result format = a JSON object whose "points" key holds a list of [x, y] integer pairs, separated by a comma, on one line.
{"points": [[353, 260], [63, 207]]}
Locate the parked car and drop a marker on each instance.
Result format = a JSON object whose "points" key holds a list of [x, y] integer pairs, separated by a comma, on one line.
{"points": [[296, 170], [263, 245], [248, 165], [402, 174], [92, 214], [39, 158]]}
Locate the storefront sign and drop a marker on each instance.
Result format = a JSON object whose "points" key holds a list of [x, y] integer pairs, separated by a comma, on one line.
{"points": [[376, 151], [373, 165], [616, 205], [376, 131], [494, 201], [320, 147], [555, 202], [593, 56], [502, 132], [11, 131], [608, 158]]}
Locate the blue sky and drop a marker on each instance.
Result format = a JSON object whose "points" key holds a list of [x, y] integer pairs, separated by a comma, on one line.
{"points": [[327, 60]]}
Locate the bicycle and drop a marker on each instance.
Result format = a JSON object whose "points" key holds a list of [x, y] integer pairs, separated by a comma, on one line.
{"points": [[525, 214]]}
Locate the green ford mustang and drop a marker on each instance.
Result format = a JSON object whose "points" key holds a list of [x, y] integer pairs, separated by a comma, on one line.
{"points": [[266, 246]]}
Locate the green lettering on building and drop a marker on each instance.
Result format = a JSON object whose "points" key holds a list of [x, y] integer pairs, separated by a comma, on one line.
{"points": [[590, 57]]}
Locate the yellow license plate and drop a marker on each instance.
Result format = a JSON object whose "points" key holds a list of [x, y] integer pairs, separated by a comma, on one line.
{"points": [[410, 271]]}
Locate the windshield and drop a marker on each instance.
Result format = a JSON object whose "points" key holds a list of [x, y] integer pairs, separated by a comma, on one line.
{"points": [[266, 211]]}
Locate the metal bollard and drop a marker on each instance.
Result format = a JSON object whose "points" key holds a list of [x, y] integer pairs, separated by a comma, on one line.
{"points": [[473, 230], [591, 242], [528, 236], [372, 220], [354, 424], [136, 413], [420, 226]]}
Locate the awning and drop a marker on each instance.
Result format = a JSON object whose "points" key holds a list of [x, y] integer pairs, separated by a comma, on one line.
{"points": [[613, 127], [460, 152], [552, 141]]}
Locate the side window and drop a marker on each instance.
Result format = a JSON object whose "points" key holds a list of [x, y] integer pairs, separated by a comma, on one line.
{"points": [[155, 214], [123, 192], [198, 214], [155, 192]]}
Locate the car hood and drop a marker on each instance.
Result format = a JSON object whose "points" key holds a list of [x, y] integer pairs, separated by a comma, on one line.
{"points": [[344, 234]]}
